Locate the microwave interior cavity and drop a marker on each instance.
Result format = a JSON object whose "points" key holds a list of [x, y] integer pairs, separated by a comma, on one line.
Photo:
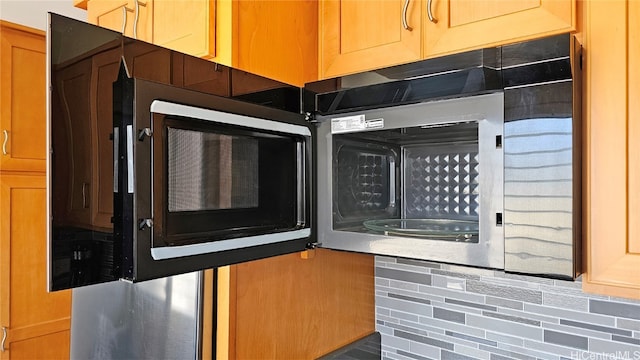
{"points": [[420, 181], [424, 182]]}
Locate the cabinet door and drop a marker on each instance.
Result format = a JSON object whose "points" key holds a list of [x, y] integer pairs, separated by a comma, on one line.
{"points": [[290, 307], [129, 17], [459, 25], [612, 35], [37, 322], [279, 39], [22, 100], [186, 26], [357, 35]]}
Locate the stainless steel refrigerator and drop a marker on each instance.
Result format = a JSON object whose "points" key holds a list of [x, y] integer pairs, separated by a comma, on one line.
{"points": [[155, 319]]}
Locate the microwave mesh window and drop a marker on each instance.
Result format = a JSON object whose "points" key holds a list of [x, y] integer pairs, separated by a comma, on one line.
{"points": [[208, 171]]}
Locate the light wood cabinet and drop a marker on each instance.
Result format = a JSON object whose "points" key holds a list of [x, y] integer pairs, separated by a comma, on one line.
{"points": [[37, 323], [22, 100], [612, 164], [129, 17], [358, 35], [460, 25], [187, 26], [296, 306], [276, 39]]}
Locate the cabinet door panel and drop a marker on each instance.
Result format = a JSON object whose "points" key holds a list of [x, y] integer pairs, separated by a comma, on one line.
{"points": [[116, 15], [275, 39], [361, 35], [467, 24], [187, 26], [22, 101], [287, 307], [464, 12], [27, 310], [613, 169], [50, 346], [360, 25]]}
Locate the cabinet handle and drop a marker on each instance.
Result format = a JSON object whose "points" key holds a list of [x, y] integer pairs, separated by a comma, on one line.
{"points": [[429, 13], [4, 337], [405, 24], [4, 143], [135, 20], [137, 17], [124, 19], [84, 195]]}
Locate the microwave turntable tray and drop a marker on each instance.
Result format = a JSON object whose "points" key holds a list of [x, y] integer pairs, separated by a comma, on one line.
{"points": [[441, 229]]}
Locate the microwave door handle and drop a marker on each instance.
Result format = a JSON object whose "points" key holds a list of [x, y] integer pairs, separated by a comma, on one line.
{"points": [[130, 159], [301, 171], [116, 148], [392, 182]]}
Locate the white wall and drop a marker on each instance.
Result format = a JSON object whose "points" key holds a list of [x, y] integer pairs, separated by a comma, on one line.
{"points": [[33, 13]]}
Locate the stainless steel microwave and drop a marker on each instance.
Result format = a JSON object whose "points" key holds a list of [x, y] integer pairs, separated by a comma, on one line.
{"points": [[161, 163]]}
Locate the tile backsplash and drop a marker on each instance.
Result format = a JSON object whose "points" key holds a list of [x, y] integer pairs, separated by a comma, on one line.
{"points": [[426, 310]]}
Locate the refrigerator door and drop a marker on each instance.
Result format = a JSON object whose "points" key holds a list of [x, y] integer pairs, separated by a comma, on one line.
{"points": [[156, 319]]}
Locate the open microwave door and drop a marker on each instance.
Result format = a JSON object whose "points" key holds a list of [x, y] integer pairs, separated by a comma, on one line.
{"points": [[161, 163]]}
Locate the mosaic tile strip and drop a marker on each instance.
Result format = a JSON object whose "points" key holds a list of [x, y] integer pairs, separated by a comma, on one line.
{"points": [[449, 312]]}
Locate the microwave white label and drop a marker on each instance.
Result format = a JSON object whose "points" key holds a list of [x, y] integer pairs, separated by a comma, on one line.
{"points": [[354, 123]]}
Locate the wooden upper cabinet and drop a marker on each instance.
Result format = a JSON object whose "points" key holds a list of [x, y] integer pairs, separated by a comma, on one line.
{"points": [[612, 171], [130, 17], [272, 38], [22, 100], [278, 39], [459, 25], [187, 26], [358, 35]]}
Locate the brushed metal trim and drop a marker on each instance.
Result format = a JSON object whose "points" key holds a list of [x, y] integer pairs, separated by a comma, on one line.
{"points": [[168, 108], [171, 252], [302, 184], [130, 180], [116, 148]]}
